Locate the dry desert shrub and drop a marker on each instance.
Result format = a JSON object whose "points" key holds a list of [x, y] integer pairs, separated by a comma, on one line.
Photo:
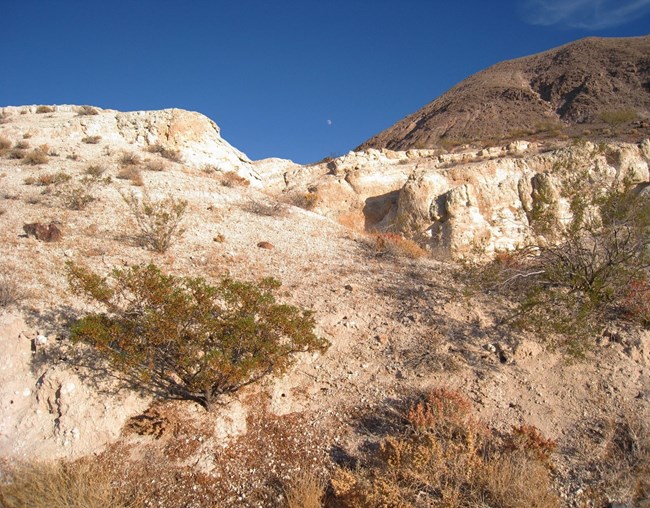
{"points": [[62, 485], [155, 165], [397, 245], [168, 153], [53, 179], [232, 179], [5, 144], [308, 200], [44, 109], [158, 221], [442, 456], [131, 173], [91, 140], [86, 111], [21, 145], [10, 292], [95, 171], [129, 159], [35, 158], [305, 490], [620, 459]]}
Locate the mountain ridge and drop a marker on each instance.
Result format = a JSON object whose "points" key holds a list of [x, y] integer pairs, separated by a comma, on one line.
{"points": [[593, 86]]}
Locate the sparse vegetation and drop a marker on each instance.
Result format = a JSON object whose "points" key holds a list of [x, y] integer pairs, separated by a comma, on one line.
{"points": [[308, 200], [155, 165], [62, 485], [9, 291], [21, 145], [168, 153], [91, 140], [595, 270], [305, 490], [619, 117], [86, 111], [158, 222], [5, 144], [184, 338], [397, 245], [44, 109], [439, 454], [232, 179], [35, 158], [129, 159], [53, 179], [95, 171], [131, 173]]}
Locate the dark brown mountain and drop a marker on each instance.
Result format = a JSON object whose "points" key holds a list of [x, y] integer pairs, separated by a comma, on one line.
{"points": [[595, 86]]}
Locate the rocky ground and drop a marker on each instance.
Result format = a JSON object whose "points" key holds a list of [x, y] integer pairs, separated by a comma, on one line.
{"points": [[397, 324]]}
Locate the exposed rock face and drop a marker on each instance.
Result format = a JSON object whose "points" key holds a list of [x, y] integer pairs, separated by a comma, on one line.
{"points": [[470, 203], [572, 86], [197, 138], [47, 411]]}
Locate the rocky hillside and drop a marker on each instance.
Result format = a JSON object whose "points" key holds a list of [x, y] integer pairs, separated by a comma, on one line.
{"points": [[593, 87], [400, 322]]}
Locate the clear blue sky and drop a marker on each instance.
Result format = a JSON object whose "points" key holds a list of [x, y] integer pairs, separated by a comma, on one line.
{"points": [[298, 79]]}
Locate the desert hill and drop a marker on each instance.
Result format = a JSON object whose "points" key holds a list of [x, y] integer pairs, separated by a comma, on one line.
{"points": [[402, 318], [593, 87]]}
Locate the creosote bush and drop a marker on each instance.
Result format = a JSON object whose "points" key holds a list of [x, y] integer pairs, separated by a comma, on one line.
{"points": [[184, 338], [158, 221], [598, 268], [441, 455]]}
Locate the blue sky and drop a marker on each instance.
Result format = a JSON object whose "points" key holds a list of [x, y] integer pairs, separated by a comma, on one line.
{"points": [[298, 79]]}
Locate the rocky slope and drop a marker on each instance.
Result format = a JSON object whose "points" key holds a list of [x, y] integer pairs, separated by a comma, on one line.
{"points": [[593, 86], [397, 324], [464, 204]]}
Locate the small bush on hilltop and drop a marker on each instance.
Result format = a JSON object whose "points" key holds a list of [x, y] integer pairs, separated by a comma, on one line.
{"points": [[442, 456], [159, 222], [187, 339]]}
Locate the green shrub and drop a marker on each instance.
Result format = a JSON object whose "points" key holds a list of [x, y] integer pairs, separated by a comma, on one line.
{"points": [[159, 222], [184, 338], [619, 117], [595, 271]]}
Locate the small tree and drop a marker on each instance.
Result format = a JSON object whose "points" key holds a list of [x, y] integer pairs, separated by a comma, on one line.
{"points": [[159, 221], [186, 339]]}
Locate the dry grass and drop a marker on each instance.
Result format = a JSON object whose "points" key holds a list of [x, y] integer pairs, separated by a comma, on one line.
{"points": [[10, 292], [62, 485], [232, 179], [129, 159], [52, 179], [305, 490], [91, 140], [131, 173], [44, 109], [35, 158], [442, 456], [155, 165], [21, 145], [86, 111], [95, 171], [5, 143], [397, 245]]}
